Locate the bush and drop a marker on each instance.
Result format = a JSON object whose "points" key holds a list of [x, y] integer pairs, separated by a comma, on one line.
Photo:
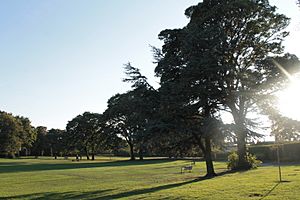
{"points": [[233, 160], [253, 161]]}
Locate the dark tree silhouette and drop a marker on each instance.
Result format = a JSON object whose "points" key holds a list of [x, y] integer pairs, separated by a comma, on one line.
{"points": [[222, 58], [87, 133], [40, 146]]}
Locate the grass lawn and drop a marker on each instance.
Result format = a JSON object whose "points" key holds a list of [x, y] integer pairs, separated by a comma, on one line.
{"points": [[150, 179]]}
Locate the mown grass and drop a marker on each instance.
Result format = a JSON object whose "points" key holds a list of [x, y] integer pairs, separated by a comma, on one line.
{"points": [[150, 179]]}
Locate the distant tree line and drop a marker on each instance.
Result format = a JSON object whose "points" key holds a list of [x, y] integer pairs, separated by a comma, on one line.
{"points": [[228, 58]]}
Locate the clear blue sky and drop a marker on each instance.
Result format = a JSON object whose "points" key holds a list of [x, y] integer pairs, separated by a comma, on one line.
{"points": [[61, 58]]}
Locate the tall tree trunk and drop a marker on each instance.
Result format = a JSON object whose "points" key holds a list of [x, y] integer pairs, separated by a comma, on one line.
{"points": [[131, 151], [12, 155], [51, 151], [241, 134], [206, 150], [87, 153], [93, 153], [242, 151], [210, 172], [141, 152]]}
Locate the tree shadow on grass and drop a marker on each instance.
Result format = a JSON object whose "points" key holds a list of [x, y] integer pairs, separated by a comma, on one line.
{"points": [[12, 164], [151, 190], [102, 194], [64, 195], [161, 187], [27, 167], [273, 188], [269, 192]]}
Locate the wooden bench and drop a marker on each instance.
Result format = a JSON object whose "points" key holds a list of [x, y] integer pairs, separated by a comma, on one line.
{"points": [[186, 168]]}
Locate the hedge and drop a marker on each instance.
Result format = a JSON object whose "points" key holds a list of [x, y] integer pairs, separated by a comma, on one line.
{"points": [[289, 152]]}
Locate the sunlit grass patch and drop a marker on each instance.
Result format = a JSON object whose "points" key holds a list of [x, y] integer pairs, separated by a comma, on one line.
{"points": [[116, 178]]}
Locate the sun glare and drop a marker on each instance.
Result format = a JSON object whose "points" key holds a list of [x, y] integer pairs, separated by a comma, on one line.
{"points": [[289, 100]]}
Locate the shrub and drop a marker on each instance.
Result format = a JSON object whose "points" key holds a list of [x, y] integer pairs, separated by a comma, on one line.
{"points": [[253, 161], [233, 160]]}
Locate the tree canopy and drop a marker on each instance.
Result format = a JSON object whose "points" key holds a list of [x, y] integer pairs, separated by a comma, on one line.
{"points": [[87, 133], [224, 58]]}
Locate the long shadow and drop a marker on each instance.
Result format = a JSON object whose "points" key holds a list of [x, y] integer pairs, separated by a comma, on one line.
{"points": [[63, 195], [12, 163], [162, 187], [102, 194], [271, 190], [149, 190], [75, 165]]}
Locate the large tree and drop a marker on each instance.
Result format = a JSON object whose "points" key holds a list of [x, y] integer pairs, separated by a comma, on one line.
{"points": [[28, 133], [227, 47], [130, 113], [145, 106], [120, 119], [17, 134], [87, 133], [41, 143], [57, 142], [282, 128], [10, 135], [189, 122]]}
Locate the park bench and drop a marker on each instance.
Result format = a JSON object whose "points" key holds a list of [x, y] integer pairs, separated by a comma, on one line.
{"points": [[186, 168]]}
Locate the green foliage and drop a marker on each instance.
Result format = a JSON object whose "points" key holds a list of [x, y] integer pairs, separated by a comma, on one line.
{"points": [[40, 146], [233, 161], [28, 133], [285, 129], [224, 58], [10, 137], [129, 114], [16, 134], [57, 142], [253, 161], [87, 133]]}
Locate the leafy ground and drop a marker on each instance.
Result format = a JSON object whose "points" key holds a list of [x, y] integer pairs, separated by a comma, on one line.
{"points": [[150, 179]]}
